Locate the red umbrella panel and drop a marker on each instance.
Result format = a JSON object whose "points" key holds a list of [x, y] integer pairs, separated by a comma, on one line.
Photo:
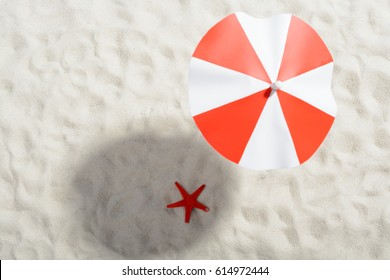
{"points": [[260, 90]]}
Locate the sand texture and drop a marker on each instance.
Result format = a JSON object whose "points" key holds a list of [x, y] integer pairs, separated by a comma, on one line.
{"points": [[95, 128]]}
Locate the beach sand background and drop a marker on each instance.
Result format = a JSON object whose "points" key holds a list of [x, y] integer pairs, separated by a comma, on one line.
{"points": [[95, 128]]}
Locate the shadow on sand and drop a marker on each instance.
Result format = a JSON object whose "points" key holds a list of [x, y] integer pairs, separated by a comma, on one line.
{"points": [[127, 184]]}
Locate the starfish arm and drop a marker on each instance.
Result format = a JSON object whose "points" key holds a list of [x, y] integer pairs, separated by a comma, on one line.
{"points": [[196, 193], [180, 203], [188, 214], [182, 191], [201, 206]]}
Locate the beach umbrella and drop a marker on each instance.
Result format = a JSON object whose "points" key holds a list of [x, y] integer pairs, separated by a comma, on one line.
{"points": [[260, 90]]}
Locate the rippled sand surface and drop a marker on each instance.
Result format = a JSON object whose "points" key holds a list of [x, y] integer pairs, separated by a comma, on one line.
{"points": [[95, 128]]}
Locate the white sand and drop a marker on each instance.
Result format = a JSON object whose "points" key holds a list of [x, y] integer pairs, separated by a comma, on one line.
{"points": [[95, 127]]}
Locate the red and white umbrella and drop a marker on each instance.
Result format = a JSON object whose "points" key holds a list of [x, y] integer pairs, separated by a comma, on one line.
{"points": [[260, 90]]}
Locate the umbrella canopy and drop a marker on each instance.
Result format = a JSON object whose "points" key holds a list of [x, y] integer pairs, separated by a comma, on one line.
{"points": [[260, 90]]}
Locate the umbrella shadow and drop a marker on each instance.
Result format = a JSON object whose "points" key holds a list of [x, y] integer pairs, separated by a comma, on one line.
{"points": [[127, 184]]}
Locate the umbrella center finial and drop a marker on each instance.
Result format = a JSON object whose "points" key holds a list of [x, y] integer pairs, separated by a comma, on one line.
{"points": [[276, 85]]}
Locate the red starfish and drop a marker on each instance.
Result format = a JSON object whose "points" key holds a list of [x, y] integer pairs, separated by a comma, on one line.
{"points": [[189, 201]]}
